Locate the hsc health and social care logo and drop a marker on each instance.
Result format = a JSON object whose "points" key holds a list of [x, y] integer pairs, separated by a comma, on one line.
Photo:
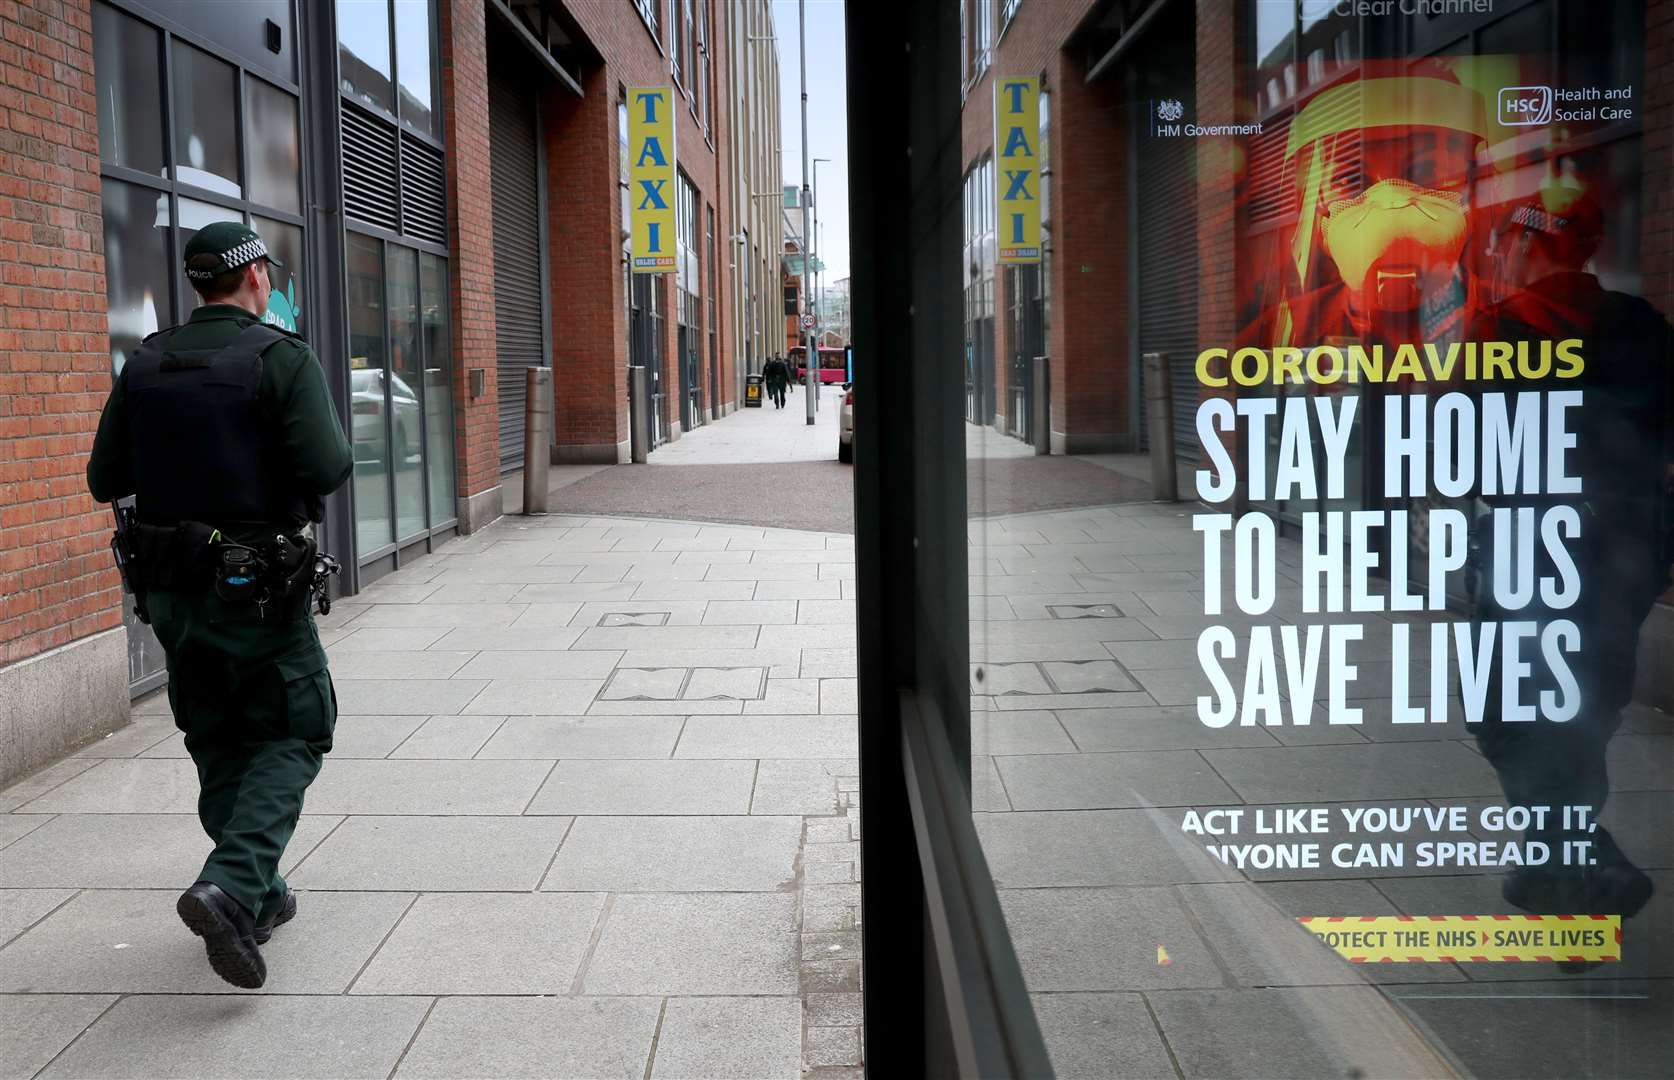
{"points": [[1525, 106]]}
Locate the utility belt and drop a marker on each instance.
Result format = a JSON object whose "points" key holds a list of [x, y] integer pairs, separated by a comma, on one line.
{"points": [[286, 573]]}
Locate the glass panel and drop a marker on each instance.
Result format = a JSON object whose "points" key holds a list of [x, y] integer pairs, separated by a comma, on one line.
{"points": [[284, 303], [240, 27], [438, 386], [368, 393], [136, 267], [412, 60], [406, 379], [274, 150], [363, 51], [206, 122], [194, 215], [1319, 672], [129, 82]]}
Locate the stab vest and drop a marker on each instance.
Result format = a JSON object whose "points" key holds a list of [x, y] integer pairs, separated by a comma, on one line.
{"points": [[204, 447]]}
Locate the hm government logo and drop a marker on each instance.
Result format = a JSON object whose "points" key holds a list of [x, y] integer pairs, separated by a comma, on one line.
{"points": [[1170, 110]]}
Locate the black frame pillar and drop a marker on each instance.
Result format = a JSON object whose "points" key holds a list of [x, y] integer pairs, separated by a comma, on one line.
{"points": [[943, 993]]}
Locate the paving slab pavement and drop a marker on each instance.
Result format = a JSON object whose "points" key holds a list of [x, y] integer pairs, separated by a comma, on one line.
{"points": [[549, 842]]}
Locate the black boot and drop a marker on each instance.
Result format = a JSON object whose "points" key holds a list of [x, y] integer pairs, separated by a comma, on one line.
{"points": [[228, 932], [286, 912]]}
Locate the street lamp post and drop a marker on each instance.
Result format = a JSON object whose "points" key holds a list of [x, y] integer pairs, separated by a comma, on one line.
{"points": [[818, 243], [810, 358]]}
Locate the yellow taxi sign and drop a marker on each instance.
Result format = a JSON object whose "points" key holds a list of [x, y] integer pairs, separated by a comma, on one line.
{"points": [[1017, 180], [651, 169]]}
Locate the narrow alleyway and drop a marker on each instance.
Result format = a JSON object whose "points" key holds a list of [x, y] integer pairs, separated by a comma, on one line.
{"points": [[766, 467], [592, 811]]}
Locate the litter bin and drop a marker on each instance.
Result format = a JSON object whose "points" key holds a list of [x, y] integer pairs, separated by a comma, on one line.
{"points": [[752, 391]]}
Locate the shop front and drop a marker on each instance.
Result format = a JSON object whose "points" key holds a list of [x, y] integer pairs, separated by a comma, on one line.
{"points": [[195, 125], [208, 113]]}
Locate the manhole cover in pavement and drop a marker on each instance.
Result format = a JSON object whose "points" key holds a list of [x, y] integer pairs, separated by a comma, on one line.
{"points": [[1085, 611], [634, 618]]}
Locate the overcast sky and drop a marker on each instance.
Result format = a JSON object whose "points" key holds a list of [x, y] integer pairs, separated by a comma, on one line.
{"points": [[828, 124]]}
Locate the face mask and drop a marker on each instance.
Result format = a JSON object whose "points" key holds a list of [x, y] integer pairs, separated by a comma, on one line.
{"points": [[1396, 241]]}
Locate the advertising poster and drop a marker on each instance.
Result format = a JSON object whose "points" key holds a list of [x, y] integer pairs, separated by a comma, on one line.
{"points": [[651, 184], [1434, 463]]}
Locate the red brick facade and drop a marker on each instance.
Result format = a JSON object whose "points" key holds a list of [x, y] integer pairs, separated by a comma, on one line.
{"points": [[589, 310], [587, 305], [1088, 181], [464, 40], [57, 584]]}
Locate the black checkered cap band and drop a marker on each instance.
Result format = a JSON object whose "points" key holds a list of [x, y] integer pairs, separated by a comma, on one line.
{"points": [[232, 259]]}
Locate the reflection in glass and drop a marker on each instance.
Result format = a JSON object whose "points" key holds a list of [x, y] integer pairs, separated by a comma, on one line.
{"points": [[406, 376], [1354, 604], [412, 59], [275, 147], [438, 386], [194, 215], [129, 83], [284, 304], [136, 268], [363, 51], [368, 393], [205, 121]]}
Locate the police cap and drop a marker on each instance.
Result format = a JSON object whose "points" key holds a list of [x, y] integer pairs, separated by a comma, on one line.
{"points": [[231, 242]]}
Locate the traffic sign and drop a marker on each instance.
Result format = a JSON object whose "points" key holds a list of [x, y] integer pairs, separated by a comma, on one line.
{"points": [[808, 322]]}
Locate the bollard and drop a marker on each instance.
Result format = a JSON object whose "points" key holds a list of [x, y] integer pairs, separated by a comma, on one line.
{"points": [[639, 416], [537, 437], [1040, 424], [1159, 404]]}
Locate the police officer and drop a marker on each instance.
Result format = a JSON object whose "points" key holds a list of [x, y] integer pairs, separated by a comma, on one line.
{"points": [[1623, 453], [224, 431]]}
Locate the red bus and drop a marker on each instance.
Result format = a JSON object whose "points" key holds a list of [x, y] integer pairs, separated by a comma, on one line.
{"points": [[834, 364]]}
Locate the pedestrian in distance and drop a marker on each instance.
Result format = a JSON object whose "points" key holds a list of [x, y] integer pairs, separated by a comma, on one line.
{"points": [[224, 432], [775, 376]]}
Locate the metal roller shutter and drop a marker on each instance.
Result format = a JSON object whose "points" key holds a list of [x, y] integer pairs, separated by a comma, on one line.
{"points": [[1167, 189], [518, 310]]}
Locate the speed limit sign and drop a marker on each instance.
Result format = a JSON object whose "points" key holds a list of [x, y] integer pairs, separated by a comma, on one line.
{"points": [[807, 322]]}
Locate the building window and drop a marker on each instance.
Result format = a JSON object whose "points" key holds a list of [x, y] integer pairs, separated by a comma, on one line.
{"points": [[710, 292], [400, 356], [703, 93], [1008, 12], [394, 76], [648, 14], [676, 39], [412, 63], [223, 162], [976, 18]]}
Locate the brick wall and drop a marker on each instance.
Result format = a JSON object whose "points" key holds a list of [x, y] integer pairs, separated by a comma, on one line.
{"points": [[631, 57], [589, 312], [1091, 385], [471, 240], [57, 583], [1088, 199]]}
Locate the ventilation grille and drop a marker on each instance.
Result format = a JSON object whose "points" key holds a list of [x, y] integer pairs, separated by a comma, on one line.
{"points": [[423, 191], [1273, 194], [369, 187]]}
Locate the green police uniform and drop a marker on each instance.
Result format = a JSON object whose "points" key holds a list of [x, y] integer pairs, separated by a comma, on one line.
{"points": [[248, 685]]}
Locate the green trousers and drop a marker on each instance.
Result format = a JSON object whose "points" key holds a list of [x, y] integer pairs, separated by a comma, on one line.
{"points": [[253, 696]]}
